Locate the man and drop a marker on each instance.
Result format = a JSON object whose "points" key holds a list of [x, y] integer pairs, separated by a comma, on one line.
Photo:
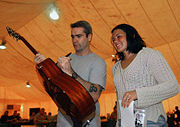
{"points": [[40, 118], [84, 66], [5, 117]]}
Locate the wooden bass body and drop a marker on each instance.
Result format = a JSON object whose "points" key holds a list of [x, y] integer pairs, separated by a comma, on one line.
{"points": [[67, 93]]}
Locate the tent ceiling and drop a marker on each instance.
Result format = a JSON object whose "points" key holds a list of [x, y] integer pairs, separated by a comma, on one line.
{"points": [[157, 21]]}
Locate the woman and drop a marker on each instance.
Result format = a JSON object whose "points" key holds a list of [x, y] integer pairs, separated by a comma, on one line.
{"points": [[141, 75]]}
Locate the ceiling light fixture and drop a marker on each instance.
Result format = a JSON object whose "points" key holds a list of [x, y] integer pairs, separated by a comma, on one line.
{"points": [[114, 58], [28, 85], [54, 13], [2, 45]]}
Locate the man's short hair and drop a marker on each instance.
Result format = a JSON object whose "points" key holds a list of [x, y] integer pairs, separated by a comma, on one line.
{"points": [[84, 24]]}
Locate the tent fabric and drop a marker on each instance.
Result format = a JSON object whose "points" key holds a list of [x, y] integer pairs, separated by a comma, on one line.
{"points": [[157, 21]]}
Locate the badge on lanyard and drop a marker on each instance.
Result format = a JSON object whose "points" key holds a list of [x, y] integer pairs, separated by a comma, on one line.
{"points": [[140, 118]]}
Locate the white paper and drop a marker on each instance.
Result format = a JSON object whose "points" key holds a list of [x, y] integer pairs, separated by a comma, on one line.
{"points": [[127, 115]]}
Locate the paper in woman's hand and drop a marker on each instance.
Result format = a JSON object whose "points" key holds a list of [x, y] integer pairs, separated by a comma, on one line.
{"points": [[127, 115]]}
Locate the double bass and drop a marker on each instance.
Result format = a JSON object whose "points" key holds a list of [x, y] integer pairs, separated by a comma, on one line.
{"points": [[67, 93]]}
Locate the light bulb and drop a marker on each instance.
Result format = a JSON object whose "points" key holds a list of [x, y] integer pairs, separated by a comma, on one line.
{"points": [[54, 15], [28, 86], [2, 46]]}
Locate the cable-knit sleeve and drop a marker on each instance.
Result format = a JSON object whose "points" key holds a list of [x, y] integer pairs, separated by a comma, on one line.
{"points": [[165, 86]]}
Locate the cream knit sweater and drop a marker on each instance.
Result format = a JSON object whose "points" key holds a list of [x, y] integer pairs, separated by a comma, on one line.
{"points": [[152, 78]]}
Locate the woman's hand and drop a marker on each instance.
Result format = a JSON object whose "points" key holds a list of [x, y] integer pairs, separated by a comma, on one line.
{"points": [[128, 98]]}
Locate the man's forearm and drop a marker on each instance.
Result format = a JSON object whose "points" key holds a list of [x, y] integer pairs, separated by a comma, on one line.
{"points": [[93, 89]]}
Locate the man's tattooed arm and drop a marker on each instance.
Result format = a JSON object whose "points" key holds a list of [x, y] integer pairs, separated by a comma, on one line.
{"points": [[94, 89]]}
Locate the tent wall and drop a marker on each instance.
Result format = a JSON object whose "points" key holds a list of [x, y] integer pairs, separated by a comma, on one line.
{"points": [[107, 102], [25, 107]]}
